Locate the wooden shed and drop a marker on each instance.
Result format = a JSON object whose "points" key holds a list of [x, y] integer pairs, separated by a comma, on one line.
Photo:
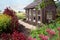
{"points": [[43, 15]]}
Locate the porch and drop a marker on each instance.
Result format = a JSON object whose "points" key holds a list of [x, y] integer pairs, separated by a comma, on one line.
{"points": [[33, 16]]}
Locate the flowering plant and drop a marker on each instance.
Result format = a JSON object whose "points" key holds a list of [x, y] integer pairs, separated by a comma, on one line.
{"points": [[51, 32], [58, 28], [30, 38], [43, 37]]}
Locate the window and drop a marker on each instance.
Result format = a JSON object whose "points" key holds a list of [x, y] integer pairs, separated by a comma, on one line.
{"points": [[38, 17], [34, 18]]}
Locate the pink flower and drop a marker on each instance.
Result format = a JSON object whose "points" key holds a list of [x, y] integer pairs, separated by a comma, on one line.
{"points": [[30, 38], [46, 37], [51, 32], [58, 28], [34, 39], [48, 30], [43, 37]]}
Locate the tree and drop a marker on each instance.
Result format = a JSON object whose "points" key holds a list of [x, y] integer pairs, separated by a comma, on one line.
{"points": [[57, 0], [58, 8], [44, 3], [58, 4]]}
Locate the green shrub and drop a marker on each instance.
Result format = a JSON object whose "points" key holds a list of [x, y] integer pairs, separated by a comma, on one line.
{"points": [[35, 33], [58, 20], [4, 22]]}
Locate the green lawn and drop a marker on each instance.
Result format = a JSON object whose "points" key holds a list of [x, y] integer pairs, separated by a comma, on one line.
{"points": [[21, 16]]}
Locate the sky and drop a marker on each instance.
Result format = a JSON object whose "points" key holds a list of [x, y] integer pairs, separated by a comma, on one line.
{"points": [[15, 4]]}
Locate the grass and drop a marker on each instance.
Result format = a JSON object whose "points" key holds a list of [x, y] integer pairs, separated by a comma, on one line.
{"points": [[0, 13], [21, 16]]}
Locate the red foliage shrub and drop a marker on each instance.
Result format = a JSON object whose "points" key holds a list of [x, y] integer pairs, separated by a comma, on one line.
{"points": [[18, 36], [5, 36], [14, 36], [14, 20], [9, 12]]}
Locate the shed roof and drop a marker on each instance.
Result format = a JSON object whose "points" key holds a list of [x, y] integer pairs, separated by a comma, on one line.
{"points": [[33, 4]]}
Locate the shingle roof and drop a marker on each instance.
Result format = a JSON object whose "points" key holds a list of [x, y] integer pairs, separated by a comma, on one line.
{"points": [[33, 4]]}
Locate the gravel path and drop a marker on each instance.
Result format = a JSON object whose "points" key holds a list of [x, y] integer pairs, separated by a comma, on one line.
{"points": [[28, 26]]}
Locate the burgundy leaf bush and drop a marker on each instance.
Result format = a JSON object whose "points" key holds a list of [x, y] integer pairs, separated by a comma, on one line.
{"points": [[18, 36], [12, 31], [14, 20], [14, 36]]}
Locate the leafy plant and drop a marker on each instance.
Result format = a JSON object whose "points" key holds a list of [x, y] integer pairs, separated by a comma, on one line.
{"points": [[18, 36], [14, 36], [4, 22], [9, 22], [45, 3], [58, 20], [47, 30], [14, 20]]}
